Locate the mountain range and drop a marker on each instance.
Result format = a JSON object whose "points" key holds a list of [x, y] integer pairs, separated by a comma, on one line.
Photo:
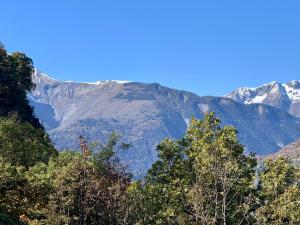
{"points": [[266, 117]]}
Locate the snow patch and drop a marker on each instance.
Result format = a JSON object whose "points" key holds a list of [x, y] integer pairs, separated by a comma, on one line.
{"points": [[39, 76], [294, 94], [107, 81], [256, 99]]}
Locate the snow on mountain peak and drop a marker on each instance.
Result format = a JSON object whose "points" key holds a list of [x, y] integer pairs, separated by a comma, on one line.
{"points": [[39, 77], [261, 93], [293, 91], [280, 95], [99, 82]]}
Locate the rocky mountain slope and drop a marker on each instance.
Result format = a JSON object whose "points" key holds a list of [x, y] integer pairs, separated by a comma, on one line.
{"points": [[283, 96], [144, 114], [291, 151]]}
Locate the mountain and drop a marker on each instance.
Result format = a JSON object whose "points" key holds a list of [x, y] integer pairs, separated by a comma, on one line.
{"points": [[144, 114], [283, 96], [291, 151]]}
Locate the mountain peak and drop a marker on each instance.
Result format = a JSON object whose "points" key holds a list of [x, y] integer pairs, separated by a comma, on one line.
{"points": [[38, 77], [272, 83], [280, 95]]}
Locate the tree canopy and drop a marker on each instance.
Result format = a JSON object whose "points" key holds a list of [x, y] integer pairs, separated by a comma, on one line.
{"points": [[16, 71]]}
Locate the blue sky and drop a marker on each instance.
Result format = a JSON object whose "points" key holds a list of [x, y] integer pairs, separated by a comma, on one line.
{"points": [[207, 47]]}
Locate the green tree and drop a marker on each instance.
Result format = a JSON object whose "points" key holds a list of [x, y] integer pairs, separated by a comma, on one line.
{"points": [[167, 183], [13, 198], [203, 178], [87, 187], [23, 141], [223, 182], [16, 71], [23, 145], [24, 151], [279, 193]]}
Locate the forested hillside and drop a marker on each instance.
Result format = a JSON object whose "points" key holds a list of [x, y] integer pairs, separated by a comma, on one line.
{"points": [[201, 178]]}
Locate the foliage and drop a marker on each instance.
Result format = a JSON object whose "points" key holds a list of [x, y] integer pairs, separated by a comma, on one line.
{"points": [[23, 141], [222, 189], [16, 70], [279, 193], [12, 192], [165, 199], [203, 178], [23, 145], [7, 220]]}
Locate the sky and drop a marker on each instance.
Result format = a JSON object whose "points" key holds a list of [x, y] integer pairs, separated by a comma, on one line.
{"points": [[208, 47]]}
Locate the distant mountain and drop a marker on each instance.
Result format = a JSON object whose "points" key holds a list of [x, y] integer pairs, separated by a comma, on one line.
{"points": [[283, 96], [144, 114], [291, 151]]}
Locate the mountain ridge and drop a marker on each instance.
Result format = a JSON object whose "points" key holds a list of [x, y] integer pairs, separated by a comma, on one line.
{"points": [[144, 114]]}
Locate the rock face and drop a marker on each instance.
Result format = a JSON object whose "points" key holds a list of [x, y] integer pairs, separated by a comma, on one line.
{"points": [[283, 96], [144, 114]]}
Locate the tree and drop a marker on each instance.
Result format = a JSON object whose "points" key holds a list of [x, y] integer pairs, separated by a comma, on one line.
{"points": [[23, 145], [87, 187], [166, 185], [23, 151], [13, 199], [203, 178], [222, 189], [279, 193], [16, 72]]}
